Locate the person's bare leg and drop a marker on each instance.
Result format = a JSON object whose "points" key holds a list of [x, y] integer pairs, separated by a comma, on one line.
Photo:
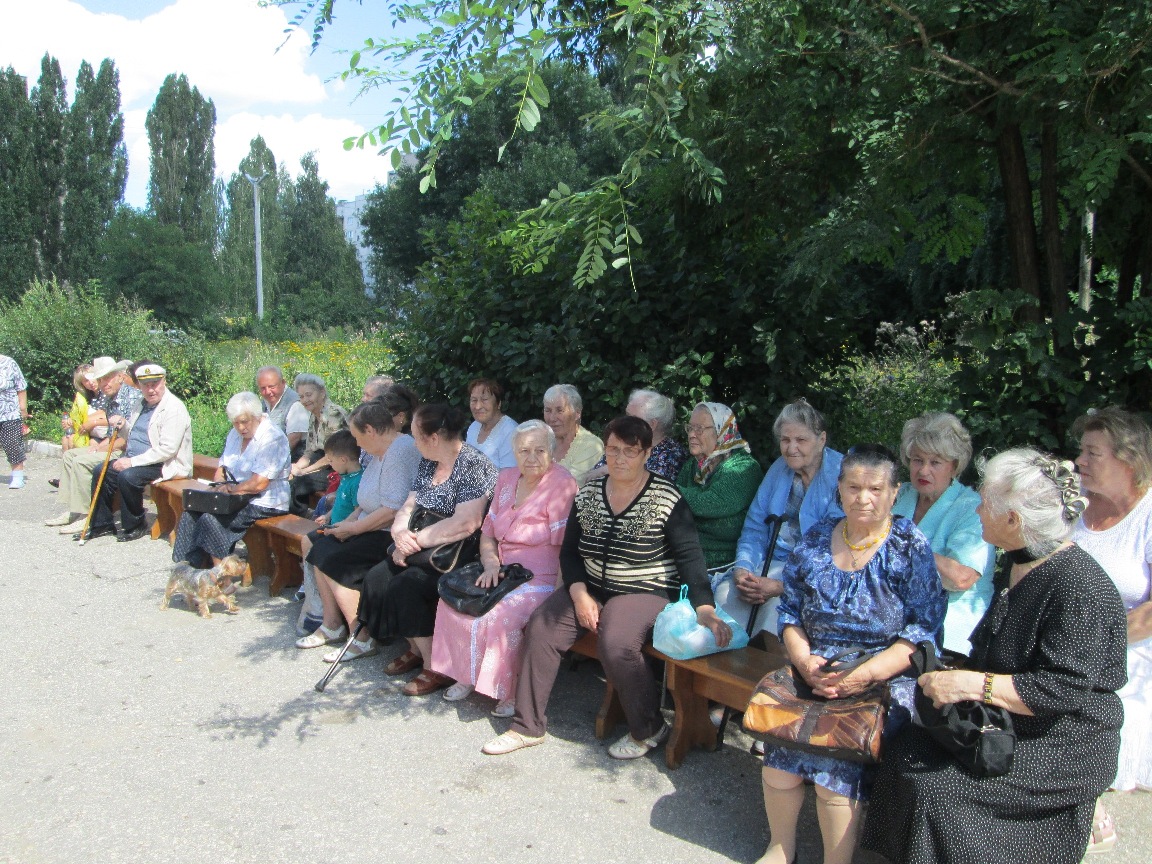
{"points": [[422, 645], [783, 798], [839, 818], [347, 600], [326, 588]]}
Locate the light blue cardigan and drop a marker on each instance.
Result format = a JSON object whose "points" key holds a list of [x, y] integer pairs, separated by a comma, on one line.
{"points": [[772, 498], [953, 530]]}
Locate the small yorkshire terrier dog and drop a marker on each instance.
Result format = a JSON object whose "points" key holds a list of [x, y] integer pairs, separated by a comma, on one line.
{"points": [[201, 587]]}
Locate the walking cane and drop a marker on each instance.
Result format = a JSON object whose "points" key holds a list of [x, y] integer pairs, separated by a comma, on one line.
{"points": [[774, 523], [96, 491], [323, 682]]}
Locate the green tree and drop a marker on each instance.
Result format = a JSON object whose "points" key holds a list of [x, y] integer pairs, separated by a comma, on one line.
{"points": [[49, 142], [96, 167], [155, 266], [17, 182], [181, 136], [320, 280]]}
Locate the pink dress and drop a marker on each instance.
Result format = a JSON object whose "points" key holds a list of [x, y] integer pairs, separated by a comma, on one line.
{"points": [[485, 651]]}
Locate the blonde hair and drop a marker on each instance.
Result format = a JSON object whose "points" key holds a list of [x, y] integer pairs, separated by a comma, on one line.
{"points": [[1129, 435], [937, 433]]}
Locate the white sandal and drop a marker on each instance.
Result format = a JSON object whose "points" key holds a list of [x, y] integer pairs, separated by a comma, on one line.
{"points": [[458, 691], [505, 708], [510, 742], [629, 748], [323, 636], [355, 651]]}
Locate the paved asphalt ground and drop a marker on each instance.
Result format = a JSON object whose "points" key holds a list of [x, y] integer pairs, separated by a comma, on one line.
{"points": [[135, 735]]}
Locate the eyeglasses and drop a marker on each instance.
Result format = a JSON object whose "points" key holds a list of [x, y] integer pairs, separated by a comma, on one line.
{"points": [[699, 430], [626, 452]]}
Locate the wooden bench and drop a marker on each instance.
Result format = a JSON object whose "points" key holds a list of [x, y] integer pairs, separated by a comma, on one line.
{"points": [[728, 678], [274, 550]]}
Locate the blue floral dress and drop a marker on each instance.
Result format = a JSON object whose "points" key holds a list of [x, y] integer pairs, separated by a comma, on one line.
{"points": [[897, 595]]}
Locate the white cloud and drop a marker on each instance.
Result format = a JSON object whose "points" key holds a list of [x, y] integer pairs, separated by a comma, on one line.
{"points": [[349, 173], [228, 49]]}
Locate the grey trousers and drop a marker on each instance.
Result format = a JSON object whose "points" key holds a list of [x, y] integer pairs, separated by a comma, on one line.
{"points": [[625, 625], [76, 474]]}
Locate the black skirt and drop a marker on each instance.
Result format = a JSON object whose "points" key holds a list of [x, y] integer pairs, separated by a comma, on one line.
{"points": [[346, 562], [399, 602]]}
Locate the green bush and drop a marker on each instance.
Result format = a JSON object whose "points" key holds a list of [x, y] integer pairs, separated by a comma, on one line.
{"points": [[210, 425], [52, 329], [868, 398]]}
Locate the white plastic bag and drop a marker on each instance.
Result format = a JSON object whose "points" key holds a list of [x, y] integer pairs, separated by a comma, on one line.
{"points": [[677, 634]]}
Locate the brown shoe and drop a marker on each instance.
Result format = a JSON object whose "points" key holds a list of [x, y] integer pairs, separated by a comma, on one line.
{"points": [[406, 662], [426, 682]]}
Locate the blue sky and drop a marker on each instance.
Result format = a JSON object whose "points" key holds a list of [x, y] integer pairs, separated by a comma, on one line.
{"points": [[228, 49]]}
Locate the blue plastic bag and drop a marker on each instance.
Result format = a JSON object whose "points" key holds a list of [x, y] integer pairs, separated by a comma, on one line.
{"points": [[677, 634]]}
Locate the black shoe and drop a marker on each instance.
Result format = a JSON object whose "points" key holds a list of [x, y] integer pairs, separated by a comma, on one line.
{"points": [[135, 534], [54, 482], [93, 533]]}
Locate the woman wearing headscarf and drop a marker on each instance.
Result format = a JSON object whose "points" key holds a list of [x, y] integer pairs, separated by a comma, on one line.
{"points": [[719, 481]]}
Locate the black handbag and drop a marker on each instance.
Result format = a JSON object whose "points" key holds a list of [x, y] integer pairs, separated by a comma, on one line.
{"points": [[981, 738], [446, 556], [459, 590], [216, 503]]}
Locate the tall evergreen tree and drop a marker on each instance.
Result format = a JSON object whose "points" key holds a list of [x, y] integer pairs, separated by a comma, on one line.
{"points": [[96, 167], [50, 131], [321, 283], [181, 127], [238, 255], [17, 176]]}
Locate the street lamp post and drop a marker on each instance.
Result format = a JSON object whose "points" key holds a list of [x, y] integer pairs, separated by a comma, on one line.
{"points": [[255, 181]]}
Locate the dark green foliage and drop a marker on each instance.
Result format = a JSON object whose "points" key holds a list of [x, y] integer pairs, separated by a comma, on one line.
{"points": [[518, 173], [96, 169], [17, 182], [155, 266], [49, 144], [181, 128]]}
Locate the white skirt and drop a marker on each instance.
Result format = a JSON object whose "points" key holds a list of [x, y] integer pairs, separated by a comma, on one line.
{"points": [[1135, 769]]}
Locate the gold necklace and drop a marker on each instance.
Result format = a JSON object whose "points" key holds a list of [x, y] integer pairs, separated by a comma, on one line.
{"points": [[854, 548]]}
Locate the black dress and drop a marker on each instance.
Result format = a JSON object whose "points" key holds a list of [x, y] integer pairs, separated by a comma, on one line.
{"points": [[1061, 633]]}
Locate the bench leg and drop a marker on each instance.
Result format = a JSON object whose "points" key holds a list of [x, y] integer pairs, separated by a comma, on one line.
{"points": [[259, 555], [286, 572], [166, 517], [691, 727], [611, 713]]}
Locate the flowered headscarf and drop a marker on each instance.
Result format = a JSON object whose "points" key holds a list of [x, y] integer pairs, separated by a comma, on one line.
{"points": [[728, 441]]}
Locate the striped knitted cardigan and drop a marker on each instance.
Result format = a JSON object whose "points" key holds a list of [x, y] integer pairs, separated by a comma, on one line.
{"points": [[647, 548]]}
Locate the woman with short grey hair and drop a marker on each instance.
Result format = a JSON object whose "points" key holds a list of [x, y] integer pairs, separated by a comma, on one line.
{"points": [[800, 488], [659, 412], [1050, 651], [528, 427], [577, 449], [936, 448], [325, 417], [244, 404], [257, 461]]}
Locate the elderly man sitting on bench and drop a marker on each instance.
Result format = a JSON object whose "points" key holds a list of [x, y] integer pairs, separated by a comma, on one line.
{"points": [[158, 447]]}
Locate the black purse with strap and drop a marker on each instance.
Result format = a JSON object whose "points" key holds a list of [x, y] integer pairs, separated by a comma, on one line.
{"points": [[444, 557], [458, 587], [981, 738], [214, 502]]}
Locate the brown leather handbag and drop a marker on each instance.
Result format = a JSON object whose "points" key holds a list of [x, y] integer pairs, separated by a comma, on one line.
{"points": [[784, 712]]}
